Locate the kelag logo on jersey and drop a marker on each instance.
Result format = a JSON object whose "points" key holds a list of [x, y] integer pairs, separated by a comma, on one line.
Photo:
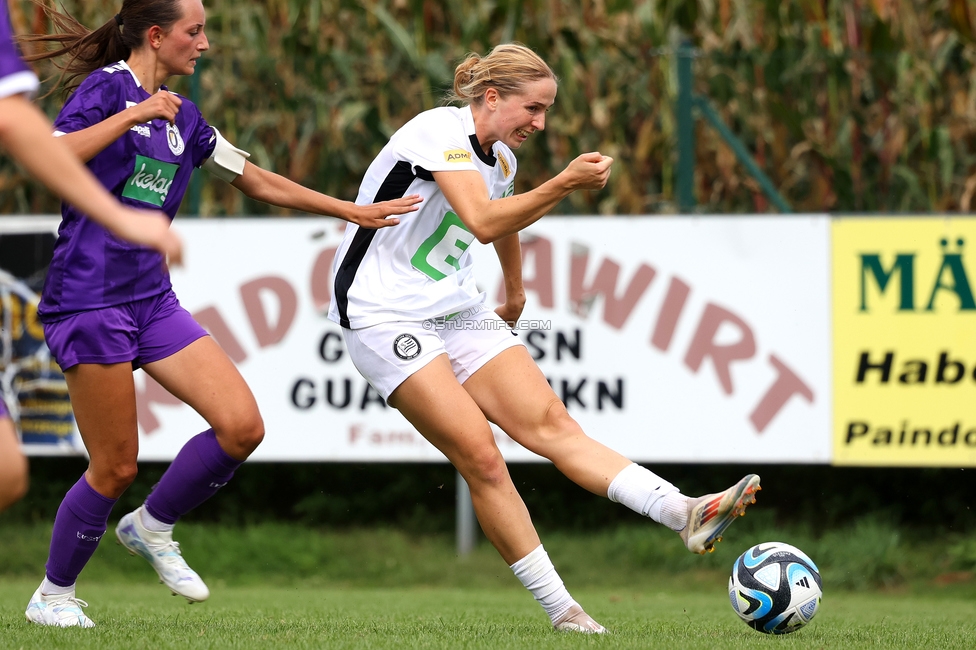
{"points": [[150, 181]]}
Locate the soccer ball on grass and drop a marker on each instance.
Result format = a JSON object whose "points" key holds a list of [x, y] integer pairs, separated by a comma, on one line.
{"points": [[775, 588]]}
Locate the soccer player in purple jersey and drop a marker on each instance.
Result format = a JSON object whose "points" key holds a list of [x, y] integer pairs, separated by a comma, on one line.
{"points": [[108, 307], [25, 133]]}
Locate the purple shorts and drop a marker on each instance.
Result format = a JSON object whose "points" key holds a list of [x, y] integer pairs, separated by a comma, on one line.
{"points": [[141, 331], [4, 413]]}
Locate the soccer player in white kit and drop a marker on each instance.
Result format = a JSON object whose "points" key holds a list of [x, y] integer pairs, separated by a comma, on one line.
{"points": [[419, 331]]}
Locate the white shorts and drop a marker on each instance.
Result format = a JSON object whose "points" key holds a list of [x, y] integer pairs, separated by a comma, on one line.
{"points": [[388, 353]]}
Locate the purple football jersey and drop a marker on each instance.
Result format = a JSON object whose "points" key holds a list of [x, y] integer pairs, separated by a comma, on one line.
{"points": [[148, 167], [15, 76]]}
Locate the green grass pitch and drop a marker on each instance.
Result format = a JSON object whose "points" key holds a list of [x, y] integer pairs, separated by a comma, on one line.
{"points": [[133, 616], [290, 586]]}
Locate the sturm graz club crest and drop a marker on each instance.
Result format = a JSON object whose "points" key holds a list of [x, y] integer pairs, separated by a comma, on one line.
{"points": [[406, 346]]}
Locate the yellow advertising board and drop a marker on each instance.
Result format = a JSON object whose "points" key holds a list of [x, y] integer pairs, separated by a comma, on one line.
{"points": [[905, 341]]}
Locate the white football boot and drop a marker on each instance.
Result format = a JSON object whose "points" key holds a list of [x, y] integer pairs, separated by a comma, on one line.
{"points": [[60, 610], [164, 555], [576, 620], [710, 515]]}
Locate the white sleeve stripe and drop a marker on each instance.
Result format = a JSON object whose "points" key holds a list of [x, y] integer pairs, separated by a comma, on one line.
{"points": [[227, 161], [17, 83]]}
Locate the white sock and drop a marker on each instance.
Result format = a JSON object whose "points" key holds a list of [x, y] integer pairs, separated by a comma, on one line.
{"points": [[152, 524], [647, 493], [536, 572], [48, 588], [674, 511]]}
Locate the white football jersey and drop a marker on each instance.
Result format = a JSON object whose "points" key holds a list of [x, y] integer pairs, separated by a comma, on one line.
{"points": [[420, 268]]}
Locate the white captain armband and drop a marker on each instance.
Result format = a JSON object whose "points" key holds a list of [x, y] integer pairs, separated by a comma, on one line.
{"points": [[227, 161]]}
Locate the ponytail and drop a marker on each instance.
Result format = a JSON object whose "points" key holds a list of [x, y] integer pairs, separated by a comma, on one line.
{"points": [[89, 50]]}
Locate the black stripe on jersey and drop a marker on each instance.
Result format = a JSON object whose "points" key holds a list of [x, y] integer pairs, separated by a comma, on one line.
{"points": [[394, 187], [487, 158]]}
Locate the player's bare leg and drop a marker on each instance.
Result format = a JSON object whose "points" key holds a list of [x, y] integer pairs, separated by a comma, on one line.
{"points": [[436, 404], [433, 401], [202, 376], [13, 465], [104, 405], [103, 399], [512, 392]]}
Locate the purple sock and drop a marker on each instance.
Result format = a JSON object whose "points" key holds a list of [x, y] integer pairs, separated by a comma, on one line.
{"points": [[198, 471], [79, 525]]}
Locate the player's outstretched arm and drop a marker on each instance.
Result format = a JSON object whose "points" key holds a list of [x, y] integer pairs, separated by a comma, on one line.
{"points": [[26, 133], [262, 185], [490, 220]]}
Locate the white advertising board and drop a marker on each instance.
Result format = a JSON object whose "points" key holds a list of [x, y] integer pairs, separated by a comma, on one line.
{"points": [[671, 339]]}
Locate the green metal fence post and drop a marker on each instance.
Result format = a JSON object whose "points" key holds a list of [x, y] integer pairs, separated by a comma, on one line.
{"points": [[743, 155], [689, 105], [686, 130], [196, 181]]}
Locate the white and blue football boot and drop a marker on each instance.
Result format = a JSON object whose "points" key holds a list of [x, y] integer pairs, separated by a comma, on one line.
{"points": [[59, 610], [164, 555]]}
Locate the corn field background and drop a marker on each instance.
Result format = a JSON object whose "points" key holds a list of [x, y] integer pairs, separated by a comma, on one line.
{"points": [[849, 106]]}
